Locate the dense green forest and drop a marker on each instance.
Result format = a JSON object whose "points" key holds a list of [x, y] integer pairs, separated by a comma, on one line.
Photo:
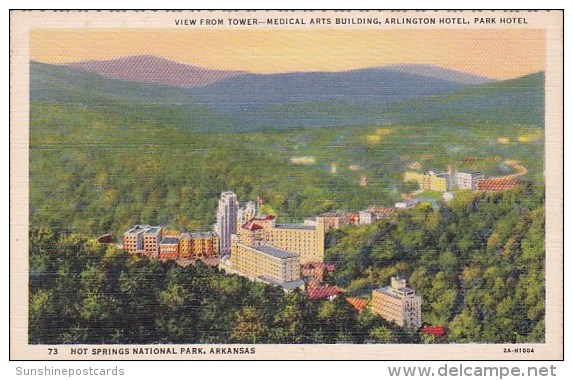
{"points": [[84, 292], [95, 172], [106, 154], [478, 263]]}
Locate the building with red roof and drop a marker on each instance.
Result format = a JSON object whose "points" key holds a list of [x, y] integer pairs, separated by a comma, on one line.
{"points": [[358, 303], [317, 271], [324, 292], [436, 331], [250, 226]]}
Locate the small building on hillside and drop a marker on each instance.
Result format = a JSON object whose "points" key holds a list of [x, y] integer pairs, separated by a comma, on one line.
{"points": [[398, 304], [324, 292]]}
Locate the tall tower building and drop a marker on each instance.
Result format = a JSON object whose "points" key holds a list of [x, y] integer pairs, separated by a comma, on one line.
{"points": [[226, 221]]}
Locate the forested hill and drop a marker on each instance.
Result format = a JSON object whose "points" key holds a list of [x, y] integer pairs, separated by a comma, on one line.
{"points": [[478, 264], [249, 101], [520, 100]]}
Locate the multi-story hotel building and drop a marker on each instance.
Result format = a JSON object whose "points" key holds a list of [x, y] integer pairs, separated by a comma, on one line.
{"points": [[151, 239], [142, 240], [445, 181], [226, 221], [432, 180], [198, 245], [169, 248], [265, 263], [305, 239], [398, 304], [133, 239]]}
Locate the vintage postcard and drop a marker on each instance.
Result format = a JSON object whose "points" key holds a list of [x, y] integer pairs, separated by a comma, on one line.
{"points": [[238, 185]]}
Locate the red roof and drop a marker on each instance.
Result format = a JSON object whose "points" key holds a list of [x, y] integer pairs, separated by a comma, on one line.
{"points": [[252, 226], [319, 265], [436, 331], [358, 303], [324, 292], [498, 184]]}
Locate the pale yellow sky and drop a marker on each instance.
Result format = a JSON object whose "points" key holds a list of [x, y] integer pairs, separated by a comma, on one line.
{"points": [[499, 54]]}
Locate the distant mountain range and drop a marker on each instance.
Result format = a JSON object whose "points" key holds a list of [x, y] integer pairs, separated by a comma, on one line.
{"points": [[155, 70], [415, 93], [228, 90]]}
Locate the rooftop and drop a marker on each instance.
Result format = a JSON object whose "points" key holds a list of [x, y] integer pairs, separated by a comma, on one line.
{"points": [[437, 173], [286, 285], [324, 292], [252, 226], [498, 184], [436, 331], [202, 234], [146, 229], [318, 265], [274, 251], [358, 303], [152, 230], [472, 172], [336, 214], [396, 293], [136, 229], [295, 226], [170, 240]]}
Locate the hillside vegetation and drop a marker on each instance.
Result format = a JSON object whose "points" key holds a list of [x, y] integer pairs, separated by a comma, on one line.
{"points": [[478, 265]]}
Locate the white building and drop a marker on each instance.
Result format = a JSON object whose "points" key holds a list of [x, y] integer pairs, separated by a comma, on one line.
{"points": [[366, 217], [468, 180], [226, 221], [246, 213]]}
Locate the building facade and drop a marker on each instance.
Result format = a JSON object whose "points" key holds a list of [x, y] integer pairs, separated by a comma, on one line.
{"points": [[226, 221], [398, 304], [142, 239], [305, 239], [432, 180], [335, 220], [198, 245], [267, 264], [151, 238], [246, 213], [468, 180], [169, 248]]}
